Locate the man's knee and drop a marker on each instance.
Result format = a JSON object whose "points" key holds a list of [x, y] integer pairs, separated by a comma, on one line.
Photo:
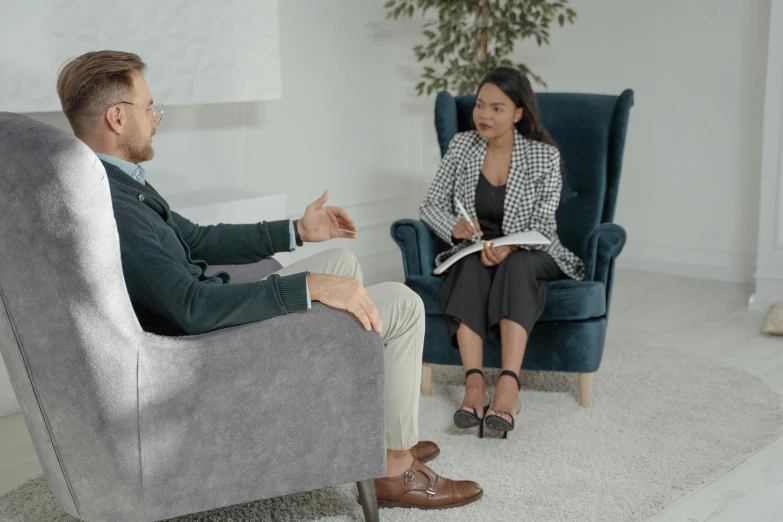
{"points": [[409, 316], [344, 263], [408, 296], [404, 298], [397, 295], [413, 298]]}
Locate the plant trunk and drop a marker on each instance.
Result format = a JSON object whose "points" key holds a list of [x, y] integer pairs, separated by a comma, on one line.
{"points": [[485, 16], [480, 45]]}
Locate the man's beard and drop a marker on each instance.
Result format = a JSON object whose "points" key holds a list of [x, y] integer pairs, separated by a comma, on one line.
{"points": [[136, 149]]}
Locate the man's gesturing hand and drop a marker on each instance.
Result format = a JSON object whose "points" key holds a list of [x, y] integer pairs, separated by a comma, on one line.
{"points": [[321, 223], [345, 294]]}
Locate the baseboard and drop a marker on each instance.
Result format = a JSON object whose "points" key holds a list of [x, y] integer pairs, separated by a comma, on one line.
{"points": [[9, 408], [696, 271], [690, 262], [769, 290], [757, 304], [8, 404]]}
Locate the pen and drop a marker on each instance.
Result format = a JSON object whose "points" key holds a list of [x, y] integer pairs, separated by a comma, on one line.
{"points": [[476, 237]]}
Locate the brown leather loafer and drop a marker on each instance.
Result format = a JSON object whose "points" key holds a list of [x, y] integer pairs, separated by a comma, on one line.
{"points": [[425, 451], [422, 488]]}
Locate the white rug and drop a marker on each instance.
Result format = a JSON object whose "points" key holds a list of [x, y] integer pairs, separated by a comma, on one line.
{"points": [[662, 424]]}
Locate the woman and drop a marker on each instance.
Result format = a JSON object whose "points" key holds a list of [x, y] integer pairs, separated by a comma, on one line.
{"points": [[507, 174]]}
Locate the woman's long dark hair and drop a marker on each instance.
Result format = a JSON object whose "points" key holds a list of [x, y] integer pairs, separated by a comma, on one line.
{"points": [[517, 87]]}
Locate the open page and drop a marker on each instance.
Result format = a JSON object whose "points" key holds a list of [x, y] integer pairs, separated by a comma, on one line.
{"points": [[530, 237]]}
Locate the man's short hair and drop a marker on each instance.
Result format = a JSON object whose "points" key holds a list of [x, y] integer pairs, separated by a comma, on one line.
{"points": [[89, 82]]}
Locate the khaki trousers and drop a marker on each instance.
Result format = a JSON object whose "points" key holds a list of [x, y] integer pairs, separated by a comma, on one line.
{"points": [[402, 313]]}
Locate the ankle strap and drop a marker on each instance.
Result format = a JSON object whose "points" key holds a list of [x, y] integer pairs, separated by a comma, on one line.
{"points": [[511, 374], [474, 370]]}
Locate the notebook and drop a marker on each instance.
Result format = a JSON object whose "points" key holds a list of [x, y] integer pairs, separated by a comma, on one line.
{"points": [[530, 237]]}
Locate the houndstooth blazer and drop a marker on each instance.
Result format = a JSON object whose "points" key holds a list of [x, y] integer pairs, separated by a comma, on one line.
{"points": [[532, 194]]}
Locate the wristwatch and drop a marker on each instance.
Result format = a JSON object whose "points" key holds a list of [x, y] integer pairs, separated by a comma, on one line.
{"points": [[297, 237]]}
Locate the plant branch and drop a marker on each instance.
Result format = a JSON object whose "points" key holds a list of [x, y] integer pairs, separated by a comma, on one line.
{"points": [[468, 38]]}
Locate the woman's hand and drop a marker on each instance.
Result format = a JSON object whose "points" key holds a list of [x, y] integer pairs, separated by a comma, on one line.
{"points": [[493, 256], [463, 230]]}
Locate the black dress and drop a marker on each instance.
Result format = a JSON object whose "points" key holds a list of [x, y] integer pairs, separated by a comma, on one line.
{"points": [[516, 289]]}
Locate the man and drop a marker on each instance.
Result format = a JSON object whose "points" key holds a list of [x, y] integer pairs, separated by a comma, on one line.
{"points": [[164, 259]]}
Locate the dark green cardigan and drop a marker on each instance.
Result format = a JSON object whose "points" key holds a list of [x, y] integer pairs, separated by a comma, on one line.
{"points": [[164, 257]]}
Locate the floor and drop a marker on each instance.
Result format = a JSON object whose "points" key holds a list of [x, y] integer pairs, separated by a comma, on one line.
{"points": [[706, 317]]}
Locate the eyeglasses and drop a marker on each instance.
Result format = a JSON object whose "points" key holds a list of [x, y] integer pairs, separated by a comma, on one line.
{"points": [[157, 110]]}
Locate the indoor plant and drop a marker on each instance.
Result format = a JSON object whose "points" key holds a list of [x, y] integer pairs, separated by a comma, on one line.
{"points": [[471, 37]]}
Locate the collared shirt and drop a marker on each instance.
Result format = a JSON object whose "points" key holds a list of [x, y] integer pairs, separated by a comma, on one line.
{"points": [[133, 170], [138, 173]]}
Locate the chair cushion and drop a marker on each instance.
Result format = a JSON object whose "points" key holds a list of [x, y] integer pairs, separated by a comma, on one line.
{"points": [[570, 300], [567, 300]]}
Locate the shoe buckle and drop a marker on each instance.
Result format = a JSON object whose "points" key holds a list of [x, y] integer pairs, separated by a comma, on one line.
{"points": [[412, 476], [430, 489]]}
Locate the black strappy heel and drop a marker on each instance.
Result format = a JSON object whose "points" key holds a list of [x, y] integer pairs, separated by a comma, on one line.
{"points": [[465, 419], [498, 423]]}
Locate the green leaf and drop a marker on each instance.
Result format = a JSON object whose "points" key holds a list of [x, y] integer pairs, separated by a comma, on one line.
{"points": [[389, 4], [452, 30]]}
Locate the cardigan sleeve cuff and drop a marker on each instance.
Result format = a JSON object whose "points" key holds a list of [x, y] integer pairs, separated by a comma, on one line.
{"points": [[280, 234], [291, 235], [294, 292]]}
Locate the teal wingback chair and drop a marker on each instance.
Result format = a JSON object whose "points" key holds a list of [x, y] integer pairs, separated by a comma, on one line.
{"points": [[569, 337]]}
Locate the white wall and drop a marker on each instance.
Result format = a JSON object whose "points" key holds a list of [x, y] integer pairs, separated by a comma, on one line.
{"points": [[769, 272], [347, 122], [215, 55], [690, 184]]}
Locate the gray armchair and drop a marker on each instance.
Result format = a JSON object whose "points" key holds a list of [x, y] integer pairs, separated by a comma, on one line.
{"points": [[133, 426]]}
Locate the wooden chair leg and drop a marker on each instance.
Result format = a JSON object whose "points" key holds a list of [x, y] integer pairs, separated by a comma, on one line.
{"points": [[585, 389], [426, 379]]}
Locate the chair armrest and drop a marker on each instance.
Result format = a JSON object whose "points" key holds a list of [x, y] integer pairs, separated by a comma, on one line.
{"points": [[604, 245], [291, 404], [419, 246]]}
